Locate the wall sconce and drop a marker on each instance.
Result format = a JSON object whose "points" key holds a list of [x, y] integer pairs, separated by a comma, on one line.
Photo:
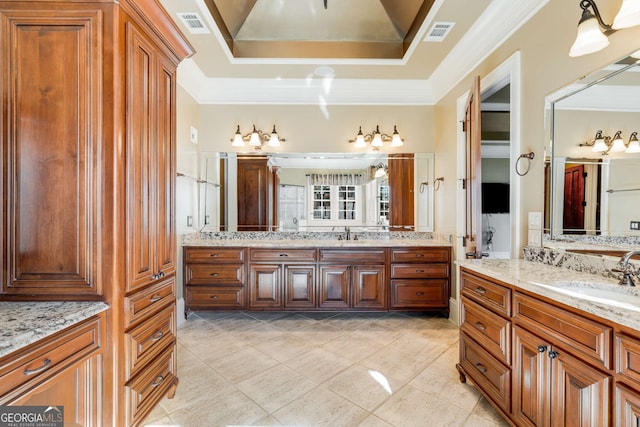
{"points": [[376, 138], [605, 144], [593, 32], [380, 170], [256, 138]]}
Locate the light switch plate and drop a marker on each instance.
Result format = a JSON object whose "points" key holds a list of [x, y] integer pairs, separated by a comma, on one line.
{"points": [[535, 238], [535, 220], [194, 135]]}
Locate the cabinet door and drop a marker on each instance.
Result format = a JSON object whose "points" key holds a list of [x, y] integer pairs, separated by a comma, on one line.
{"points": [[369, 286], [265, 290], [299, 287], [52, 151], [253, 194], [530, 404], [335, 282], [579, 393], [627, 406]]}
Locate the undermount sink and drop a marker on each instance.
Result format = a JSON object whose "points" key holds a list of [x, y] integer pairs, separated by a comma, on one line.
{"points": [[599, 292]]}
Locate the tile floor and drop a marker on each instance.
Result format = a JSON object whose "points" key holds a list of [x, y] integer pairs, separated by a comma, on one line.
{"points": [[320, 369]]}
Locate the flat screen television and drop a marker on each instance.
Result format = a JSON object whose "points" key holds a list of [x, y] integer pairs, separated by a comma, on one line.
{"points": [[495, 197]]}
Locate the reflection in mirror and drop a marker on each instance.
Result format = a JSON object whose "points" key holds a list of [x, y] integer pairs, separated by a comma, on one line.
{"points": [[316, 192], [593, 187]]}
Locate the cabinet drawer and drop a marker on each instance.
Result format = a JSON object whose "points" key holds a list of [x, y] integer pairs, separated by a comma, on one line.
{"points": [[147, 388], [204, 274], [204, 297], [51, 354], [145, 302], [353, 255], [283, 255], [491, 295], [487, 328], [486, 372], [586, 337], [419, 271], [149, 338], [427, 293], [420, 255], [213, 255], [627, 357]]}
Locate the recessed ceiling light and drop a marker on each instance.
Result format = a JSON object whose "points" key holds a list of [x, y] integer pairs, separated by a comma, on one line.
{"points": [[324, 71]]}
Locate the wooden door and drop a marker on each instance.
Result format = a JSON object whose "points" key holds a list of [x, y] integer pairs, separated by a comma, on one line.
{"points": [[265, 290], [369, 286], [530, 404], [574, 198], [473, 175], [51, 99], [627, 406], [335, 283], [253, 194], [580, 394], [299, 286], [401, 196]]}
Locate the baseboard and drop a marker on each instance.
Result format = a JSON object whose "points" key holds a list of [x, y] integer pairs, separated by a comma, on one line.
{"points": [[180, 311]]}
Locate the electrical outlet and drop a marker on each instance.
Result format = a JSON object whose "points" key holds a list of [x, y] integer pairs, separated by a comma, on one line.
{"points": [[189, 221], [194, 135], [635, 225]]}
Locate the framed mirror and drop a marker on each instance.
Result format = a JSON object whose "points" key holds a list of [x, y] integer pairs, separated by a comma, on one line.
{"points": [[593, 187], [317, 191]]}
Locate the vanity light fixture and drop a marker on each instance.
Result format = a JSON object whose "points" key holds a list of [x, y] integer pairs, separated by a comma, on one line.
{"points": [[605, 144], [377, 138], [593, 32], [617, 145], [634, 145], [380, 170], [256, 138]]}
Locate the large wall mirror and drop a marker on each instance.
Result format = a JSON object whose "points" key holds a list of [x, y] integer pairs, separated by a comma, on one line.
{"points": [[592, 180], [318, 191]]}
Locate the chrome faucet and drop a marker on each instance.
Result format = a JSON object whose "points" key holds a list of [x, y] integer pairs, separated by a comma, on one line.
{"points": [[348, 231], [626, 278]]}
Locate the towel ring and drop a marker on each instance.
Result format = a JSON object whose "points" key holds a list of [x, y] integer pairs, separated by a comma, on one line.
{"points": [[436, 183], [529, 156]]}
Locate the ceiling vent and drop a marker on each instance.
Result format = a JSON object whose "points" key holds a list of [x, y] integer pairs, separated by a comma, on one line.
{"points": [[193, 22], [439, 31]]}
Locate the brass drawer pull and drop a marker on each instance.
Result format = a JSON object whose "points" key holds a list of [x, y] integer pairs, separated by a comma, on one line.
{"points": [[481, 290], [480, 326], [155, 298], [214, 254], [284, 254], [419, 294], [214, 274], [419, 271], [157, 381], [419, 255], [481, 367], [44, 366], [214, 297], [157, 335]]}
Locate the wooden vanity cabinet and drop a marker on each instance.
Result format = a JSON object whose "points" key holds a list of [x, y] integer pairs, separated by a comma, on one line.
{"points": [[420, 278]]}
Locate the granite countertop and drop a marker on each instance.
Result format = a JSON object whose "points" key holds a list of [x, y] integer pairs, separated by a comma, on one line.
{"points": [[318, 243], [551, 282], [23, 323]]}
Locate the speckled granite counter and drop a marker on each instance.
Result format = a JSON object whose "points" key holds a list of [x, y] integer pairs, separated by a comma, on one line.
{"points": [[318, 243], [23, 323], [546, 280]]}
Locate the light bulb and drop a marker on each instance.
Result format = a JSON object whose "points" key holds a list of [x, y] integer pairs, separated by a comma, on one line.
{"points": [[396, 141], [237, 139]]}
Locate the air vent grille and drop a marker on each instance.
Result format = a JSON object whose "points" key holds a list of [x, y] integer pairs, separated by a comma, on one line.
{"points": [[193, 22], [439, 31]]}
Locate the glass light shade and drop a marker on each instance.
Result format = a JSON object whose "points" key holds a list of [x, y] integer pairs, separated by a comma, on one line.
{"points": [[360, 142], [274, 141], [634, 145], [237, 139], [600, 146], [380, 172], [617, 146], [255, 141], [589, 39], [396, 141], [377, 138], [628, 16]]}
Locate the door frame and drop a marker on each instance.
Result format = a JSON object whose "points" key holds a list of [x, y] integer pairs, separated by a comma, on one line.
{"points": [[507, 72]]}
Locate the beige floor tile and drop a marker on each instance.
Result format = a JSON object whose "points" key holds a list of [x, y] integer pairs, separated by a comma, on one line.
{"points": [[287, 346], [257, 333], [219, 410], [267, 421], [484, 410], [357, 345], [243, 364], [209, 351], [321, 407], [196, 383], [275, 387], [292, 322], [197, 330], [364, 387], [159, 422], [477, 421], [158, 416], [412, 407], [318, 365], [373, 421]]}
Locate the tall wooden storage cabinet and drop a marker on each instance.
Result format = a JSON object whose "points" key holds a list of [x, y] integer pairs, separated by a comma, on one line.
{"points": [[88, 178]]}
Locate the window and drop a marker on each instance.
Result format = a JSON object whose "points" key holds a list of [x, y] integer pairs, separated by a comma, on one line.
{"points": [[346, 202], [321, 202], [383, 203], [336, 203]]}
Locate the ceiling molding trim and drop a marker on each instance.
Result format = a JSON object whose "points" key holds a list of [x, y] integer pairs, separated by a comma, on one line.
{"points": [[500, 20]]}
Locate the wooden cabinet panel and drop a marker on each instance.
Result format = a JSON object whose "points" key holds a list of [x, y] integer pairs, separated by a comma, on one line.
{"points": [[531, 365], [486, 371], [627, 360], [419, 271], [253, 181], [299, 286], [52, 148], [353, 256], [207, 274], [213, 255], [626, 406], [265, 289], [491, 295], [580, 394], [335, 282], [144, 303], [423, 255], [207, 297], [369, 286], [487, 328], [283, 255], [588, 338], [401, 197], [424, 293]]}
